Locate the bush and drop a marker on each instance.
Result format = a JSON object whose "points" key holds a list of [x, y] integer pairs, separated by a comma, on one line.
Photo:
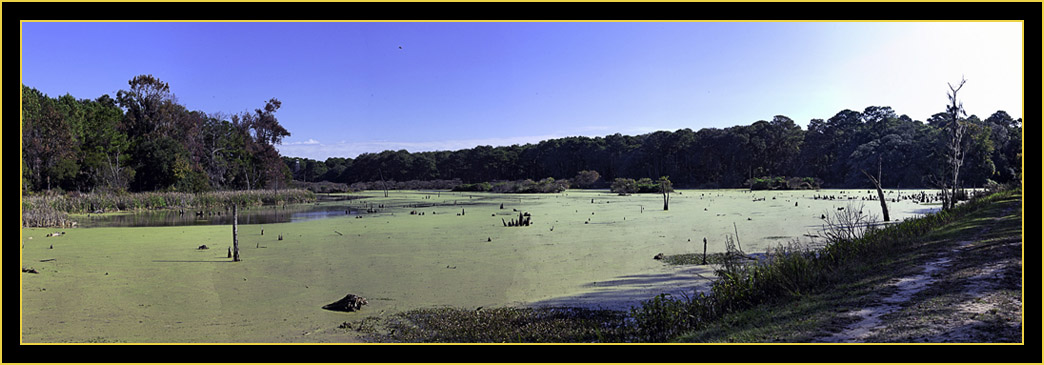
{"points": [[406, 185], [483, 186], [547, 185], [624, 186], [586, 179], [324, 187], [630, 186], [782, 183]]}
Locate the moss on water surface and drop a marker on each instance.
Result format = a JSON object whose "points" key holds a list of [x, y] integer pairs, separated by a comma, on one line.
{"points": [[585, 248]]}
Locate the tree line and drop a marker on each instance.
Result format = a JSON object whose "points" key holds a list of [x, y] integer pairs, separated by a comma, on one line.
{"points": [[834, 152], [144, 140]]}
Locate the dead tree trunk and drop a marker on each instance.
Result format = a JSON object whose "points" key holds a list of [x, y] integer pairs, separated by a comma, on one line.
{"points": [[383, 184], [704, 250], [665, 189], [235, 233], [956, 147], [880, 192]]}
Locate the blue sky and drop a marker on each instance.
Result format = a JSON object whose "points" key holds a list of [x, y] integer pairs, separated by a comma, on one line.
{"points": [[347, 88]]}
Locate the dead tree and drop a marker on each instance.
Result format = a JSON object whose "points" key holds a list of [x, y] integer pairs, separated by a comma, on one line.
{"points": [[235, 233], [877, 184], [383, 184], [665, 189], [955, 146]]}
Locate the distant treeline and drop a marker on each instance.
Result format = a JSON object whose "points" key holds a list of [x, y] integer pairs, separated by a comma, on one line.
{"points": [[144, 140], [831, 152]]}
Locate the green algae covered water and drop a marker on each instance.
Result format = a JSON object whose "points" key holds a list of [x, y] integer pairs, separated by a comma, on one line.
{"points": [[413, 249]]}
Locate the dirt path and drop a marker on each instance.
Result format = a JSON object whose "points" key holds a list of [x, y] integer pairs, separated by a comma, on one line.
{"points": [[970, 292]]}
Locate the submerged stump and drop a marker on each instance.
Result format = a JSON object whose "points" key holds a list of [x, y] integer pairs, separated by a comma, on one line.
{"points": [[349, 303]]}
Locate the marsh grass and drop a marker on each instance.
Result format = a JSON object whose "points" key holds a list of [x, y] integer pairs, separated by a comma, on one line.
{"points": [[44, 215], [52, 210], [528, 325]]}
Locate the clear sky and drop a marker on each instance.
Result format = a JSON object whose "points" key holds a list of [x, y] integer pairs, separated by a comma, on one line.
{"points": [[348, 88]]}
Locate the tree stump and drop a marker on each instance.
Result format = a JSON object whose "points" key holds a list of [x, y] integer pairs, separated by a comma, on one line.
{"points": [[349, 303]]}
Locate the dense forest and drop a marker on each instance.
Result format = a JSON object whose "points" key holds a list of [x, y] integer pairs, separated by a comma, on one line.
{"points": [[834, 151], [144, 140]]}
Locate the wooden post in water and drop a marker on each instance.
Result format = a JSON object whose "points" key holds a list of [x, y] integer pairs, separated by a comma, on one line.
{"points": [[235, 233]]}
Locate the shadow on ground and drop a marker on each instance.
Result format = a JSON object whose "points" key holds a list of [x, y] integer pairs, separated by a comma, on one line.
{"points": [[624, 292]]}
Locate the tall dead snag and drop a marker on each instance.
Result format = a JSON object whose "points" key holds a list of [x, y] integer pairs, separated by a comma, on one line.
{"points": [[955, 145], [235, 233], [877, 184], [665, 189], [383, 184]]}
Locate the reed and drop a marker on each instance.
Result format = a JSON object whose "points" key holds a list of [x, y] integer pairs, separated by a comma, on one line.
{"points": [[43, 215], [113, 202]]}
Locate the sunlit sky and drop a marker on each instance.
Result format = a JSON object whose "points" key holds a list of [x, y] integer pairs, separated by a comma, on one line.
{"points": [[348, 88]]}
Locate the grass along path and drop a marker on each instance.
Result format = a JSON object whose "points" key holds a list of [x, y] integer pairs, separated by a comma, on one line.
{"points": [[961, 283]]}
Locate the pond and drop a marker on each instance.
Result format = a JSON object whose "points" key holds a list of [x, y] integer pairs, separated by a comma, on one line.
{"points": [[417, 249], [326, 208]]}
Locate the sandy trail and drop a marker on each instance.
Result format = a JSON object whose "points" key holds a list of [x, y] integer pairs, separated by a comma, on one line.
{"points": [[871, 321], [975, 296]]}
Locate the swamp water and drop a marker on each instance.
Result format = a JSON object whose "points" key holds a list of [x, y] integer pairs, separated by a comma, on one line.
{"points": [[416, 249]]}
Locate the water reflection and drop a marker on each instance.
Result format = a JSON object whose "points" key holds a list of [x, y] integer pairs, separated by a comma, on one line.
{"points": [[261, 215]]}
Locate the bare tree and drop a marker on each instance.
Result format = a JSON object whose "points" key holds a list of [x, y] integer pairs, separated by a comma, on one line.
{"points": [[877, 184], [665, 189], [383, 184], [847, 224], [955, 146]]}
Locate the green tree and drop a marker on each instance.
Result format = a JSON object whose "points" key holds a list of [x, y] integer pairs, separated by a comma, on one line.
{"points": [[143, 103], [49, 150], [261, 131]]}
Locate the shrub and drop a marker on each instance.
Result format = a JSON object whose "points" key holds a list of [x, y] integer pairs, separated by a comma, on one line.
{"points": [[324, 187], [586, 179], [782, 183], [624, 186], [547, 185], [483, 186]]}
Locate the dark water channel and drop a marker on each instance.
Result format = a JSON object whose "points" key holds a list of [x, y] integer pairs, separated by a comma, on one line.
{"points": [[255, 215]]}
